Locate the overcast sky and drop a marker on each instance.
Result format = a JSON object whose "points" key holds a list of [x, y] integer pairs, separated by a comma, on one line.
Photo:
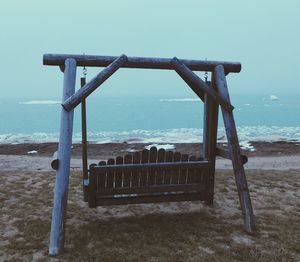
{"points": [[262, 35]]}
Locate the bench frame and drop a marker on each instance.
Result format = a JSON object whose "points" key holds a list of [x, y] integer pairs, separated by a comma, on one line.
{"points": [[213, 94]]}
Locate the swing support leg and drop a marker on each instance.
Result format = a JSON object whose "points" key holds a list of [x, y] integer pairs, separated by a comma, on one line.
{"points": [[64, 157], [234, 148], [84, 145], [210, 129]]}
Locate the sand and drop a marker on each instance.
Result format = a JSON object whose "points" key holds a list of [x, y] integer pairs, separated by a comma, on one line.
{"points": [[186, 231], [281, 155], [36, 163]]}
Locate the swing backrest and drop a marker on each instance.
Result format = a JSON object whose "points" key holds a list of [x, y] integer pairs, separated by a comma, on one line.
{"points": [[148, 176]]}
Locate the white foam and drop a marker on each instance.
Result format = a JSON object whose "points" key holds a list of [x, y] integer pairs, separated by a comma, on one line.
{"points": [[40, 102], [179, 100], [163, 146], [247, 146], [165, 136]]}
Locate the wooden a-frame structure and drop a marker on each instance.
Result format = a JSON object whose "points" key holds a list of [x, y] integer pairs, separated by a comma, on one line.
{"points": [[213, 95]]}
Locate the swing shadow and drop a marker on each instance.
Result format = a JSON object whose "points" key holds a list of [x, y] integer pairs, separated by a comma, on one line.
{"points": [[147, 236]]}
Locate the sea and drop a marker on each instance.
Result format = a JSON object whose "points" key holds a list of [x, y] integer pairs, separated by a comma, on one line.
{"points": [[151, 119]]}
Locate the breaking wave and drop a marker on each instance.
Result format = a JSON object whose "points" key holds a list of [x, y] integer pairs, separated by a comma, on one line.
{"points": [[40, 102], [179, 100], [167, 136]]}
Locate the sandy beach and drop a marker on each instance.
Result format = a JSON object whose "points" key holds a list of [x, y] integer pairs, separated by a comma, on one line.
{"points": [[186, 231]]}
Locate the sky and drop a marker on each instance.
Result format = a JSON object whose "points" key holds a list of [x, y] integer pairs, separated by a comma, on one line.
{"points": [[262, 35]]}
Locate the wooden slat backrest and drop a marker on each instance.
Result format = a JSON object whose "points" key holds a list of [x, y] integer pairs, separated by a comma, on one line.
{"points": [[160, 159], [110, 176], [152, 166], [152, 159], [183, 171], [119, 175], [168, 171], [176, 172], [102, 177], [135, 178], [192, 173], [149, 168], [92, 188], [144, 174], [201, 173], [127, 174]]}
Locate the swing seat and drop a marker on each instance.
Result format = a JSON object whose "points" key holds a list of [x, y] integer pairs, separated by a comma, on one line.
{"points": [[146, 177]]}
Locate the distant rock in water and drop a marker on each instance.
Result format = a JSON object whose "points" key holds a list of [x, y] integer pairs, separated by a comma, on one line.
{"points": [[273, 98]]}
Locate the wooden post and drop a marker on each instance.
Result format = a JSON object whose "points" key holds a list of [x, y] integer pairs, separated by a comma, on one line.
{"points": [[210, 129], [84, 92], [84, 146], [234, 148], [64, 156], [198, 85]]}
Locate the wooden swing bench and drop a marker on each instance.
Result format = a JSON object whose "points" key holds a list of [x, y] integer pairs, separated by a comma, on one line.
{"points": [[148, 176], [151, 175]]}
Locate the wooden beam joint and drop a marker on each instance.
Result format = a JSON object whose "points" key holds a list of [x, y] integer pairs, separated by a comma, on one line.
{"points": [[226, 154], [88, 88], [198, 84]]}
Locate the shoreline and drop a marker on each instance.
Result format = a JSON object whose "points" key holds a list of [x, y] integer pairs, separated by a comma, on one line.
{"points": [[105, 150], [43, 164], [280, 155]]}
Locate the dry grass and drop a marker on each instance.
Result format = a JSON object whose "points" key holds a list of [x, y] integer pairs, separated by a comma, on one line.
{"points": [[155, 232]]}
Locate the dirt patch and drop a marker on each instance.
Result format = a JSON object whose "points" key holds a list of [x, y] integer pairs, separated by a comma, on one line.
{"points": [[186, 231]]}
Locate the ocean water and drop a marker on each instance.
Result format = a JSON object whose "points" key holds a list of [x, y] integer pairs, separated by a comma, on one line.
{"points": [[150, 119]]}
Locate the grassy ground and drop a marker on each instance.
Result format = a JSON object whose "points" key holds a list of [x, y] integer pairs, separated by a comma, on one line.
{"points": [[187, 231]]}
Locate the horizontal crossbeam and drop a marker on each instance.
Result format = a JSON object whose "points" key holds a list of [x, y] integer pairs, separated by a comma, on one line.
{"points": [[225, 153], [140, 62]]}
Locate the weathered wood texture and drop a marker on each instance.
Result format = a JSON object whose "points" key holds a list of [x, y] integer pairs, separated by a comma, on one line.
{"points": [[159, 180], [64, 156], [110, 176], [85, 175], [210, 130], [54, 161], [198, 85], [70, 103], [226, 154], [146, 166], [139, 62], [234, 148]]}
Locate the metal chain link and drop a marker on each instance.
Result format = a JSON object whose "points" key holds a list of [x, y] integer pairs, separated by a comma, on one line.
{"points": [[84, 70], [206, 74]]}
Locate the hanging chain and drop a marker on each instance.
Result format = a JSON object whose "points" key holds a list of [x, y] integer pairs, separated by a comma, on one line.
{"points": [[84, 70], [206, 74]]}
